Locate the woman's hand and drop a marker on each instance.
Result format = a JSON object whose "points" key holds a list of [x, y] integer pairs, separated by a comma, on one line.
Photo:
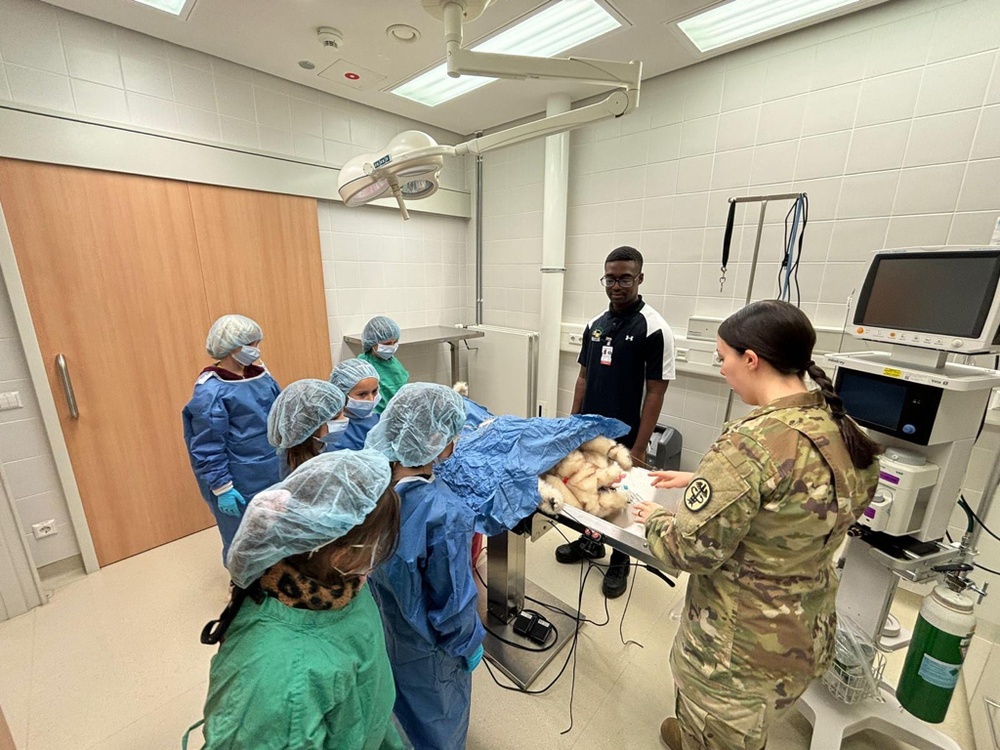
{"points": [[671, 480], [642, 511]]}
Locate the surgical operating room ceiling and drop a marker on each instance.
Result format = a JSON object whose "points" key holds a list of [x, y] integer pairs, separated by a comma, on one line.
{"points": [[274, 35]]}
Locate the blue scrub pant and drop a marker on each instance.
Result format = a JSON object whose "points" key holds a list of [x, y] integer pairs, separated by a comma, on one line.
{"points": [[433, 700]]}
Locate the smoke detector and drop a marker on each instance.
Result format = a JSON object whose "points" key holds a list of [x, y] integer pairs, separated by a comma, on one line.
{"points": [[330, 37]]}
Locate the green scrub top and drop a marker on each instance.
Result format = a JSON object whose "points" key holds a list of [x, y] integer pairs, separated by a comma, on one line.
{"points": [[392, 376], [286, 679]]}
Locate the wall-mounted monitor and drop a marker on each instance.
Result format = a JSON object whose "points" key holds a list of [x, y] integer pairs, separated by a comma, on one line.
{"points": [[933, 298]]}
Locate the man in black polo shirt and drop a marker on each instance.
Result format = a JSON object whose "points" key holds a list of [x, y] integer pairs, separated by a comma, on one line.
{"points": [[625, 350]]}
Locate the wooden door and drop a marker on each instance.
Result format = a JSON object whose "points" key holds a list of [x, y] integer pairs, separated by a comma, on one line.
{"points": [[124, 275], [110, 267], [261, 257]]}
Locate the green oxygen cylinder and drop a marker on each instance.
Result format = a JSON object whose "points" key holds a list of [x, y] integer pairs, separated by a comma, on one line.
{"points": [[934, 659]]}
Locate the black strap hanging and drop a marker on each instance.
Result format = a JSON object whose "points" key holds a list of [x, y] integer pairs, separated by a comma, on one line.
{"points": [[727, 242]]}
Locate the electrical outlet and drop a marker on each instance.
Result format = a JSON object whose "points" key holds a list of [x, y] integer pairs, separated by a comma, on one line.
{"points": [[44, 529], [576, 338], [681, 354], [11, 400]]}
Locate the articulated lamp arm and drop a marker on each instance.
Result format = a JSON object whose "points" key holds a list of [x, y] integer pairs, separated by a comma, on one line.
{"points": [[410, 170], [614, 106]]}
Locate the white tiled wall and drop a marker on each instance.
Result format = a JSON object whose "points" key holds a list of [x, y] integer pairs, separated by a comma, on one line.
{"points": [[56, 59], [63, 61], [376, 264], [889, 119], [25, 455]]}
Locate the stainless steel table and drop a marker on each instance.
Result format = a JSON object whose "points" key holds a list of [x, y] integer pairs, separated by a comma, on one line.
{"points": [[450, 335], [507, 587]]}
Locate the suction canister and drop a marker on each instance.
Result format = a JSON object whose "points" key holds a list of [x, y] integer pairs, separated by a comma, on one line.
{"points": [[934, 659]]}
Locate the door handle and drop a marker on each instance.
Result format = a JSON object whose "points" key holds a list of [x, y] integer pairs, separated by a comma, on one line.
{"points": [[67, 385]]}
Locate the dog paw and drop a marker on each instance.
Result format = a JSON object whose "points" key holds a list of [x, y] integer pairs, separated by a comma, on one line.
{"points": [[551, 502], [621, 456]]}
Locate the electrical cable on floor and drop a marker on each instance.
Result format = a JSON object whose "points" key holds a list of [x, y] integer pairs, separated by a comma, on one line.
{"points": [[579, 620], [553, 608], [621, 623], [576, 635], [572, 682]]}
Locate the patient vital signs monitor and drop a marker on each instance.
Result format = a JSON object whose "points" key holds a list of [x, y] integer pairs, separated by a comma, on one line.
{"points": [[924, 306], [944, 299], [925, 406]]}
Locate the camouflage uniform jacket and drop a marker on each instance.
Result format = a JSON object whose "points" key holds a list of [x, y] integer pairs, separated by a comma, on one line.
{"points": [[768, 507]]}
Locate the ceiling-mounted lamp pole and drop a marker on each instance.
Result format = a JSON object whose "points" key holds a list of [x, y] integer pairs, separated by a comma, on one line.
{"points": [[414, 157]]}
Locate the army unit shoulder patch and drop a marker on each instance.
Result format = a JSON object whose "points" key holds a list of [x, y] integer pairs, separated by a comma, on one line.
{"points": [[698, 494]]}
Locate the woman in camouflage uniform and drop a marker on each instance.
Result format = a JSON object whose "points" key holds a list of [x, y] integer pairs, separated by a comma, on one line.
{"points": [[761, 520]]}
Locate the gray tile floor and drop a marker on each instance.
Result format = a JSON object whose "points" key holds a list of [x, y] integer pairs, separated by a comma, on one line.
{"points": [[113, 662]]}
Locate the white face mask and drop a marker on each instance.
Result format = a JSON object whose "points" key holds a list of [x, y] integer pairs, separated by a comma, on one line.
{"points": [[334, 429], [386, 351], [362, 574], [336, 426], [246, 355]]}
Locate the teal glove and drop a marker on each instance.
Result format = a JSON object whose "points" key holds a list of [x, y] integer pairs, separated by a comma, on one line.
{"points": [[231, 503], [471, 662]]}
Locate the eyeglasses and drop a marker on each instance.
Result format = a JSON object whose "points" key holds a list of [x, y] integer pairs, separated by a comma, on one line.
{"points": [[625, 282]]}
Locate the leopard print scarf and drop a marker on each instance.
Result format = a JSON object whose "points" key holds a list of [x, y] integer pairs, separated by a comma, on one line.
{"points": [[293, 589]]}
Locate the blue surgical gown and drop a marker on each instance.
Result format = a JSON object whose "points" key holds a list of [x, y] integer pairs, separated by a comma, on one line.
{"points": [[225, 430], [428, 601], [495, 467]]}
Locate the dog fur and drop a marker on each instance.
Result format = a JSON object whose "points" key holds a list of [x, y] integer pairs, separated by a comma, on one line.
{"points": [[585, 479]]}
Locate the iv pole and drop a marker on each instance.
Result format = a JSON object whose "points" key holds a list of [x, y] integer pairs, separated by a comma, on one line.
{"points": [[763, 200]]}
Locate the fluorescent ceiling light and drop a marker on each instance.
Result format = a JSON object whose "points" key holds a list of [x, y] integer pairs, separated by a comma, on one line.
{"points": [[558, 28], [168, 6], [742, 19]]}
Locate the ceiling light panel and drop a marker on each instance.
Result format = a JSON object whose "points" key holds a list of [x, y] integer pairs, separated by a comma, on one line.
{"points": [[552, 31], [742, 19], [174, 7]]}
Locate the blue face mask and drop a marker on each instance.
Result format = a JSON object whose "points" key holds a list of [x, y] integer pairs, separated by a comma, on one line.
{"points": [[386, 351], [359, 409], [246, 355]]}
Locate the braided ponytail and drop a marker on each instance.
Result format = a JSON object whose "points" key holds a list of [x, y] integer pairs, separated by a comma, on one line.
{"points": [[861, 448]]}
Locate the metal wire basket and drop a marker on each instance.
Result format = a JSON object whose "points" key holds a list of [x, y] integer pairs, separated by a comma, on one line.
{"points": [[854, 676]]}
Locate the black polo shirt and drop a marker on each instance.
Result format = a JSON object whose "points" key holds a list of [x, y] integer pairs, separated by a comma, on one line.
{"points": [[620, 352]]}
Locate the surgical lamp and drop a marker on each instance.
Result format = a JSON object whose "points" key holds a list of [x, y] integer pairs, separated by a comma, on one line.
{"points": [[409, 167]]}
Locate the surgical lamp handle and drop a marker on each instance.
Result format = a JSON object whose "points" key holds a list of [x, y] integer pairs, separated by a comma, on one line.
{"points": [[398, 195]]}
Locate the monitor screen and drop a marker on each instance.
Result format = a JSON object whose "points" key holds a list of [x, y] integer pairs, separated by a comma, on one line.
{"points": [[949, 294], [873, 401]]}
